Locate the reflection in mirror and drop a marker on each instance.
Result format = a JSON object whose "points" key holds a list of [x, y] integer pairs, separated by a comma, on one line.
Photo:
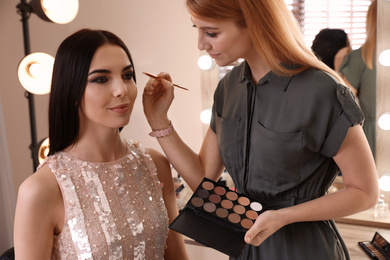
{"points": [[358, 70]]}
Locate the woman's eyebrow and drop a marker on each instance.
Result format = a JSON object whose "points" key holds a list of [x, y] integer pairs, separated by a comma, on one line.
{"points": [[128, 67], [99, 71], [107, 71]]}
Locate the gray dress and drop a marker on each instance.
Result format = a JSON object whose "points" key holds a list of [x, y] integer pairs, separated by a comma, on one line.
{"points": [[276, 140], [364, 81]]}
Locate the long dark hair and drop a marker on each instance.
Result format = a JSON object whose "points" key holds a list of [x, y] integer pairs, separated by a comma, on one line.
{"points": [[70, 73], [327, 43]]}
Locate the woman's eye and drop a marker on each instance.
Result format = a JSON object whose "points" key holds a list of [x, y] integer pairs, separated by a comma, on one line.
{"points": [[210, 34], [128, 75], [100, 80]]}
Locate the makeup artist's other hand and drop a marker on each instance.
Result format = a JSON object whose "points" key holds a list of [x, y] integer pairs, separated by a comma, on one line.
{"points": [[157, 98], [265, 225]]}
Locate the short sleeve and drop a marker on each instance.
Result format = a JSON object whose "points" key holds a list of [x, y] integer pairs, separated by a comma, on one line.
{"points": [[351, 115]]}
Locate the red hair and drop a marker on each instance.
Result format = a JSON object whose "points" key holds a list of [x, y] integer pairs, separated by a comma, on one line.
{"points": [[274, 30]]}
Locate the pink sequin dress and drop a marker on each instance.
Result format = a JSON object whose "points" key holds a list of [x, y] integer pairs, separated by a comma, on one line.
{"points": [[113, 210]]}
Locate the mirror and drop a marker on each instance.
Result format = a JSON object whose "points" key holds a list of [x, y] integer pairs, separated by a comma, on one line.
{"points": [[383, 90]]}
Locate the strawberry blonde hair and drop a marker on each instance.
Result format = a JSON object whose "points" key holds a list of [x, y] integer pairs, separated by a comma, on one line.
{"points": [[369, 46], [274, 30]]}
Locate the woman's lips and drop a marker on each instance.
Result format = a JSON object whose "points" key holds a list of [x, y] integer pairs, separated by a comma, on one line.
{"points": [[214, 56], [121, 108]]}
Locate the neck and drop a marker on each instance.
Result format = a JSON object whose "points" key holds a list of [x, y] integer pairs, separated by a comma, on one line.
{"points": [[99, 147], [258, 66]]}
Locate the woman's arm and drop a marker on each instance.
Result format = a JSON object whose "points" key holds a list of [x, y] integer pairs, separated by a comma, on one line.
{"points": [[354, 90], [339, 57], [360, 178], [157, 98], [175, 242], [38, 216]]}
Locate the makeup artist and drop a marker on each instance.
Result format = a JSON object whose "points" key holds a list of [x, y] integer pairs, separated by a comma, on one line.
{"points": [[283, 126], [97, 196]]}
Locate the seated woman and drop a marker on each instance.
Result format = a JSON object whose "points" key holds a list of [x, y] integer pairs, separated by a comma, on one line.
{"points": [[96, 196]]}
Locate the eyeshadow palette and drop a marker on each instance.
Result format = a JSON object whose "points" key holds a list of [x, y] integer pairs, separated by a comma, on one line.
{"points": [[217, 217], [378, 248]]}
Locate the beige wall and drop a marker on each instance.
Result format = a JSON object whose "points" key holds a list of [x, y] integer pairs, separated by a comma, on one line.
{"points": [[160, 37]]}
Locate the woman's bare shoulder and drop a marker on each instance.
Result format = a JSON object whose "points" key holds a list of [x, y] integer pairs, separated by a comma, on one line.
{"points": [[161, 162], [40, 188]]}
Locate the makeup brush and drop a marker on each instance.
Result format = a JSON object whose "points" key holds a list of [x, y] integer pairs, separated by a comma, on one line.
{"points": [[159, 78]]}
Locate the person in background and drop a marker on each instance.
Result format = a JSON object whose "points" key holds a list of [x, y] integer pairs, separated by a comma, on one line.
{"points": [[96, 196], [358, 71], [282, 125], [327, 43]]}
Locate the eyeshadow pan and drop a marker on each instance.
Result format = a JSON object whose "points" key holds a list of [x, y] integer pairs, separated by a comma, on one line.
{"points": [[234, 218], [207, 185], [239, 209], [220, 190], [251, 214], [202, 193], [215, 198], [246, 223], [197, 202], [209, 207], [227, 204], [222, 213], [243, 201], [231, 195], [219, 216], [256, 206]]}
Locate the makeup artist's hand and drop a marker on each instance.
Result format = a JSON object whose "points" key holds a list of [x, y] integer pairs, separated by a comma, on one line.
{"points": [[265, 225], [157, 98]]}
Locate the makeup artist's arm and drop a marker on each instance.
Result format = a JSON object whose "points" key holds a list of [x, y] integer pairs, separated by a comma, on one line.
{"points": [[157, 98], [356, 162], [175, 241], [346, 83], [38, 216]]}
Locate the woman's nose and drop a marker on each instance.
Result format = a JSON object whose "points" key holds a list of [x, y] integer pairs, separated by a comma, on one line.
{"points": [[120, 89], [202, 43]]}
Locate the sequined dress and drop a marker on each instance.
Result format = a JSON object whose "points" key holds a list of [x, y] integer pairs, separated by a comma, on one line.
{"points": [[113, 210]]}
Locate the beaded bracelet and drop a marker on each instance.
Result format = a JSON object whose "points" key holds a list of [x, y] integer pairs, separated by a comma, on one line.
{"points": [[162, 132]]}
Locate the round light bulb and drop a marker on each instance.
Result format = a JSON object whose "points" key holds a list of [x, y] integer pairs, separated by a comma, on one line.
{"points": [[60, 11], [384, 121], [205, 62], [43, 150], [384, 182], [35, 72], [50, 5], [384, 58], [205, 116]]}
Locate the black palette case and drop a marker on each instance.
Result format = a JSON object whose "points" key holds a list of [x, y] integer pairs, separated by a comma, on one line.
{"points": [[378, 248], [217, 217]]}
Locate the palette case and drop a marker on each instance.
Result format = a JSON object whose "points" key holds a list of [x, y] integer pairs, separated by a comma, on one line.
{"points": [[378, 248], [217, 217]]}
